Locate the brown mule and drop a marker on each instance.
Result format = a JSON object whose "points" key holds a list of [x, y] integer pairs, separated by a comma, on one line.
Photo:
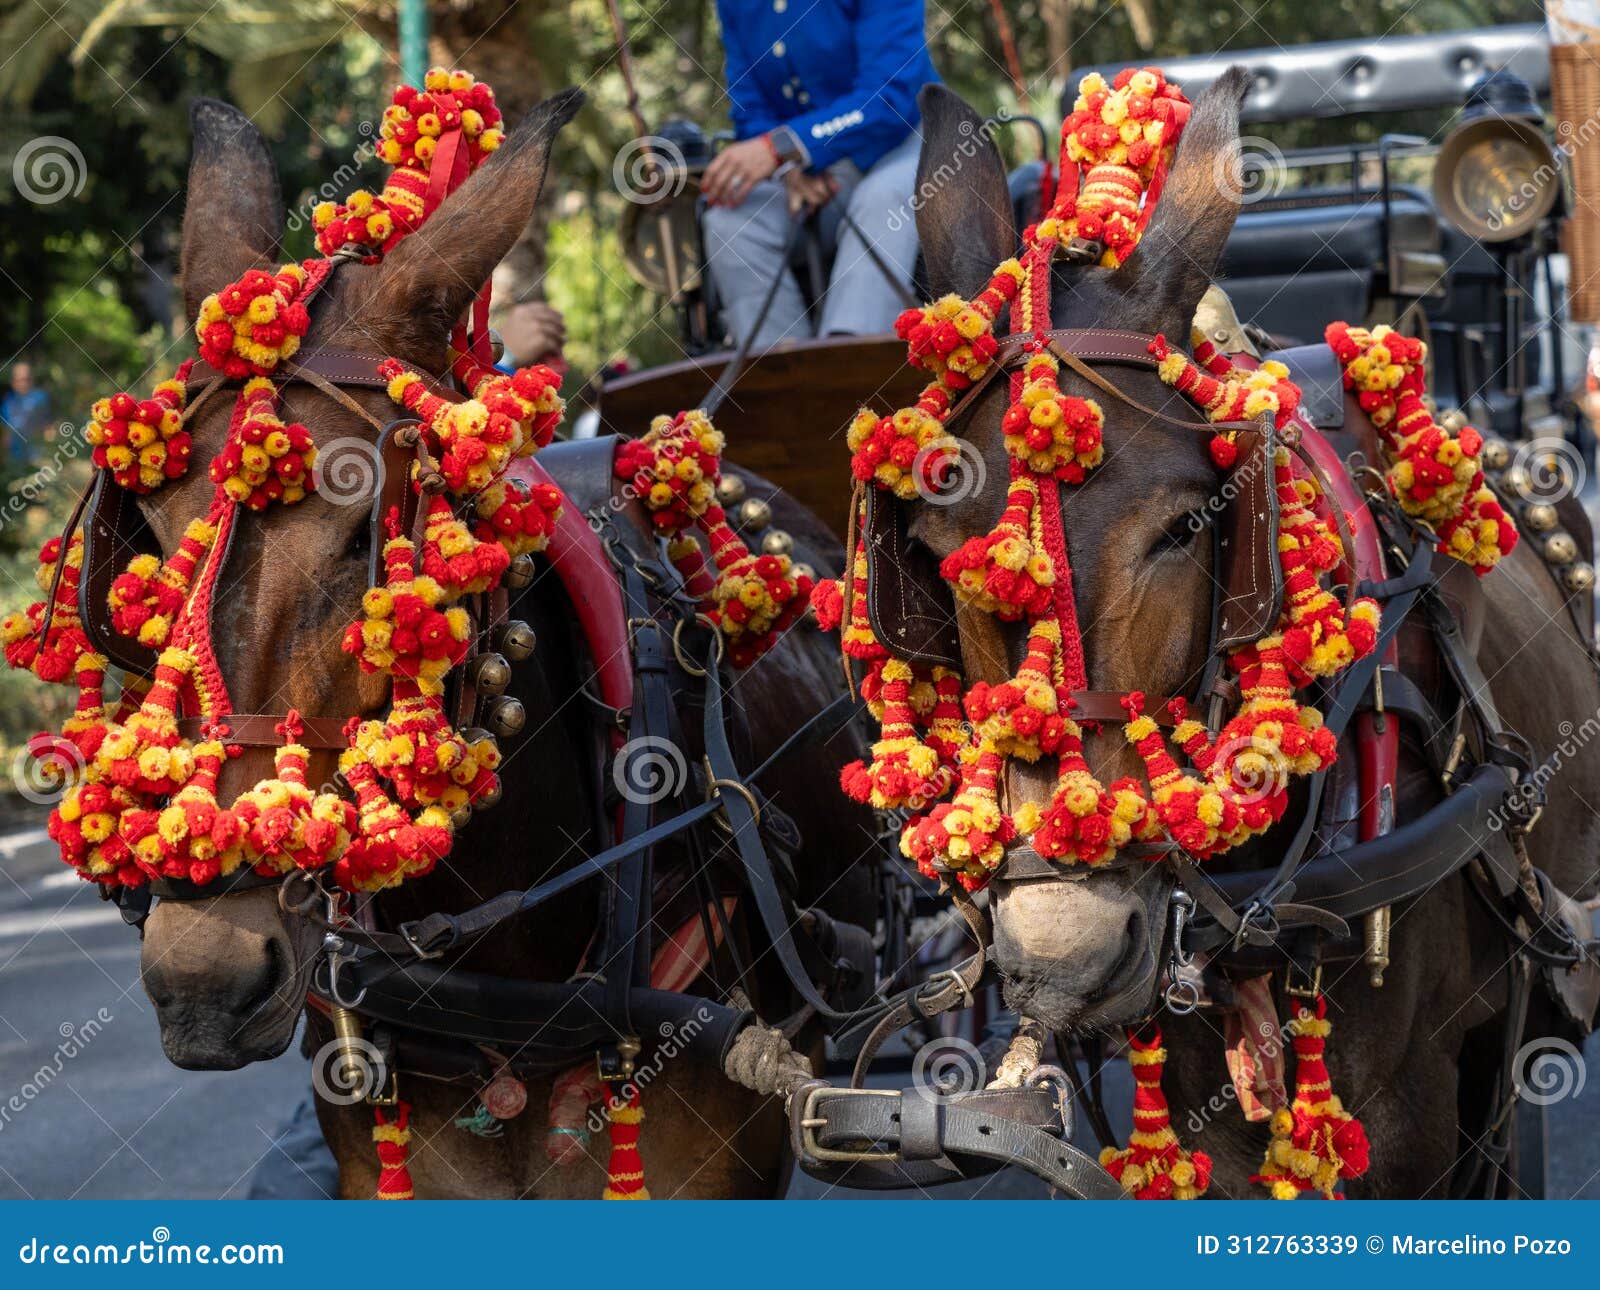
{"points": [[1412, 1058], [229, 974]]}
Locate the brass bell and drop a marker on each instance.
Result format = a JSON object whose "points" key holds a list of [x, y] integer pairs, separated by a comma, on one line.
{"points": [[491, 798], [516, 640], [497, 345], [1541, 517], [755, 514], [1495, 454], [475, 735], [460, 817], [520, 572], [730, 490], [1452, 419], [777, 542], [1559, 548], [1516, 481], [1432, 404], [506, 716], [1578, 577], [803, 571], [491, 673]]}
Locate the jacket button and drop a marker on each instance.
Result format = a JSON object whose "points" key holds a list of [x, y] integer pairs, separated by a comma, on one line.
{"points": [[778, 49], [778, 6]]}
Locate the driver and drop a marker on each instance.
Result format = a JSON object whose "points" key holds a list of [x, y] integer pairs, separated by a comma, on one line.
{"points": [[823, 96]]}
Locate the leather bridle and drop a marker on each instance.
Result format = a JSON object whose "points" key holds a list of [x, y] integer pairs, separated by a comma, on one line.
{"points": [[911, 607]]}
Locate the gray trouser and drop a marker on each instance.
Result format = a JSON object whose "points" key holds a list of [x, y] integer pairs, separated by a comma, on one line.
{"points": [[744, 243]]}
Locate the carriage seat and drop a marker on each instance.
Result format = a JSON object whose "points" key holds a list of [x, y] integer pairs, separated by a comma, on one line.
{"points": [[1298, 262]]}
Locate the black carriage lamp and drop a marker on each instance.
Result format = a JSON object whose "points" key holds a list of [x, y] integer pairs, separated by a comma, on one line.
{"points": [[1497, 175]]}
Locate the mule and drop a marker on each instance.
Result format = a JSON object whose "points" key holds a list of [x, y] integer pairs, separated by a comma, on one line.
{"points": [[229, 975], [1085, 954]]}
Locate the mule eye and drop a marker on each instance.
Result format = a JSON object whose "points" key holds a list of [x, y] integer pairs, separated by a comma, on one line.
{"points": [[360, 544], [1180, 535]]}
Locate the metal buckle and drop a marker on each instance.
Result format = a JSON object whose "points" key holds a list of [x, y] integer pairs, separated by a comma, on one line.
{"points": [[411, 933], [1055, 1075], [810, 1122], [1310, 991]]}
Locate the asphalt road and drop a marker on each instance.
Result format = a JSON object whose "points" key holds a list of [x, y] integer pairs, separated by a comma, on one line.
{"points": [[90, 1108]]}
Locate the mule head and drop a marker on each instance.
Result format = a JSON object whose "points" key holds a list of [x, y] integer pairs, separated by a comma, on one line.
{"points": [[228, 975], [1082, 948]]}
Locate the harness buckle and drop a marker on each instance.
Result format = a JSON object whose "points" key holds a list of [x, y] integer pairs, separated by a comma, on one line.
{"points": [[807, 1122], [1310, 990], [430, 937]]}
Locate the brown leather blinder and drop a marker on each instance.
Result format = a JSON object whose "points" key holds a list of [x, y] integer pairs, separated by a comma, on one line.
{"points": [[910, 606], [114, 531], [1248, 573]]}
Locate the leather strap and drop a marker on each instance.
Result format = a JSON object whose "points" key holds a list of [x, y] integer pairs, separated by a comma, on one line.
{"points": [[883, 1139], [259, 730]]}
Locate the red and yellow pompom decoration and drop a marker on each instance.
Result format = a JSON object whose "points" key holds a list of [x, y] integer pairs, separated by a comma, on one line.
{"points": [[1235, 785], [139, 799], [142, 442], [1316, 1144], [1120, 138], [50, 655], [252, 326], [753, 599], [264, 460], [1153, 1166], [147, 597], [625, 1167], [1434, 475], [908, 451], [404, 631], [393, 1141], [452, 119], [1049, 432], [475, 440]]}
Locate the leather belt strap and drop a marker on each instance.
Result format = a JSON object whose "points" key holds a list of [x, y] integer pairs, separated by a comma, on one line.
{"points": [[337, 366], [887, 1139], [259, 730]]}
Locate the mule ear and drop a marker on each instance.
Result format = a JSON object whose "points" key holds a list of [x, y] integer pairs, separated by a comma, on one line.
{"points": [[233, 217], [963, 204], [1181, 249], [426, 283]]}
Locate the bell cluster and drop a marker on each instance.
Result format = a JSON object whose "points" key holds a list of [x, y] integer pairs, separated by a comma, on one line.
{"points": [[752, 516], [1537, 518]]}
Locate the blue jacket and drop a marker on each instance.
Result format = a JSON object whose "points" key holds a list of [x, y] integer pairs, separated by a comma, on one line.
{"points": [[842, 75]]}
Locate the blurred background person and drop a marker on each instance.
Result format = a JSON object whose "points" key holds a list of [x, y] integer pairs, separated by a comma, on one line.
{"points": [[25, 412]]}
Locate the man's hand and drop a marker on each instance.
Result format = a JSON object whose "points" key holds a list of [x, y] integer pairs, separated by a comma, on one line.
{"points": [[737, 169], [533, 332], [809, 192]]}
